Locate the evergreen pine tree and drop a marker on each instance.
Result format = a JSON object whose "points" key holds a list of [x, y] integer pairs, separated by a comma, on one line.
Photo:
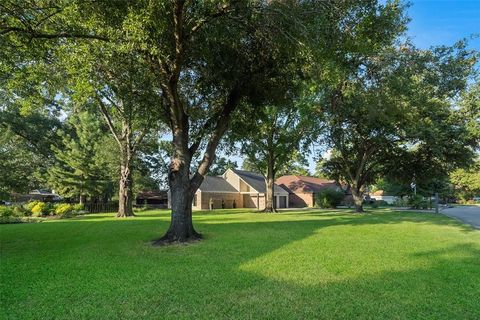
{"points": [[78, 173]]}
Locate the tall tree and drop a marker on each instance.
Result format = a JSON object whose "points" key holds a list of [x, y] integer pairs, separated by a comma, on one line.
{"points": [[77, 173], [394, 116], [279, 133], [204, 59], [354, 97]]}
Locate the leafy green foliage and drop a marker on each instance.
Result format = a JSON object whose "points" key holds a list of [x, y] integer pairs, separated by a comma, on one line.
{"points": [[329, 198], [221, 165], [78, 172], [6, 211], [63, 208], [400, 202], [395, 116], [416, 201], [249, 166], [277, 136], [25, 153], [186, 64], [40, 209], [467, 181], [391, 187], [29, 206], [296, 165]]}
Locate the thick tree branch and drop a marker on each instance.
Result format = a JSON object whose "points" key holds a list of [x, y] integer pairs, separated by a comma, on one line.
{"points": [[108, 119], [216, 135]]}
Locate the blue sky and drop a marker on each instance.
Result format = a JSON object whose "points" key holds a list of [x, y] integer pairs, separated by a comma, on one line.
{"points": [[437, 22]]}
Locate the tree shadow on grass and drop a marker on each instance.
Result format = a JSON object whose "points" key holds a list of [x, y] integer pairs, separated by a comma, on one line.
{"points": [[293, 269], [444, 285]]}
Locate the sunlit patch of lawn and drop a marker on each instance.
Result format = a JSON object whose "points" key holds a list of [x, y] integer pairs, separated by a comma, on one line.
{"points": [[328, 264]]}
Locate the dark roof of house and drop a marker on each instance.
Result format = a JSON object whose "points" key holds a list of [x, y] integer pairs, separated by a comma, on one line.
{"points": [[256, 181], [299, 184], [216, 184]]}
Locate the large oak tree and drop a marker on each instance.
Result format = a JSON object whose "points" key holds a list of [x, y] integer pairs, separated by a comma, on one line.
{"points": [[205, 59], [395, 116]]}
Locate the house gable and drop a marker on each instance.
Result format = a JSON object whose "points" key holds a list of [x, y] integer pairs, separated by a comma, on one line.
{"points": [[250, 182]]}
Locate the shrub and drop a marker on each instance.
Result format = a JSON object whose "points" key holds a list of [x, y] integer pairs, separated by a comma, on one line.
{"points": [[50, 208], [417, 202], [63, 208], [78, 207], [6, 211], [10, 219], [382, 203], [29, 206], [374, 204], [329, 198], [39, 209], [399, 202], [13, 219], [19, 211]]}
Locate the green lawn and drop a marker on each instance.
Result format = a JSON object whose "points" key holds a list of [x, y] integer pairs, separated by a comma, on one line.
{"points": [[292, 265]]}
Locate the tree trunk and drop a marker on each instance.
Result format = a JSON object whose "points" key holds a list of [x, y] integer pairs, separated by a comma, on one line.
{"points": [[181, 193], [270, 205], [181, 225], [125, 194], [357, 199], [83, 199]]}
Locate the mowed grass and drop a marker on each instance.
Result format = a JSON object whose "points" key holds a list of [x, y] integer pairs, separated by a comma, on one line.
{"points": [[291, 265]]}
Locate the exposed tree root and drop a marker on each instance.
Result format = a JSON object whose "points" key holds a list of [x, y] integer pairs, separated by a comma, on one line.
{"points": [[269, 210], [169, 239], [123, 215]]}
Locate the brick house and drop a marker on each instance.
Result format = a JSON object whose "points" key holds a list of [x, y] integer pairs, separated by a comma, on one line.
{"points": [[236, 188], [303, 189]]}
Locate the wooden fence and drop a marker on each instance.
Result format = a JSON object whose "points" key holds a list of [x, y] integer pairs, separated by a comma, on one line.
{"points": [[101, 207]]}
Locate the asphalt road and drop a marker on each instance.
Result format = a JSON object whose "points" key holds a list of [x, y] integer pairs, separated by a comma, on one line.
{"points": [[467, 214]]}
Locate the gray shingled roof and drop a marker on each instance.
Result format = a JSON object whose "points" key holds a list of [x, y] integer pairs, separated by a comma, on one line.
{"points": [[216, 184], [257, 181]]}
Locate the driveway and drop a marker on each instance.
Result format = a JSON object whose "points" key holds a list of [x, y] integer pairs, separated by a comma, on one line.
{"points": [[467, 214]]}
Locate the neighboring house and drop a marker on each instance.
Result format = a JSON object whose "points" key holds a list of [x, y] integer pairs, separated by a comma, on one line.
{"points": [[236, 189], [380, 195], [36, 195], [152, 198], [303, 189]]}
